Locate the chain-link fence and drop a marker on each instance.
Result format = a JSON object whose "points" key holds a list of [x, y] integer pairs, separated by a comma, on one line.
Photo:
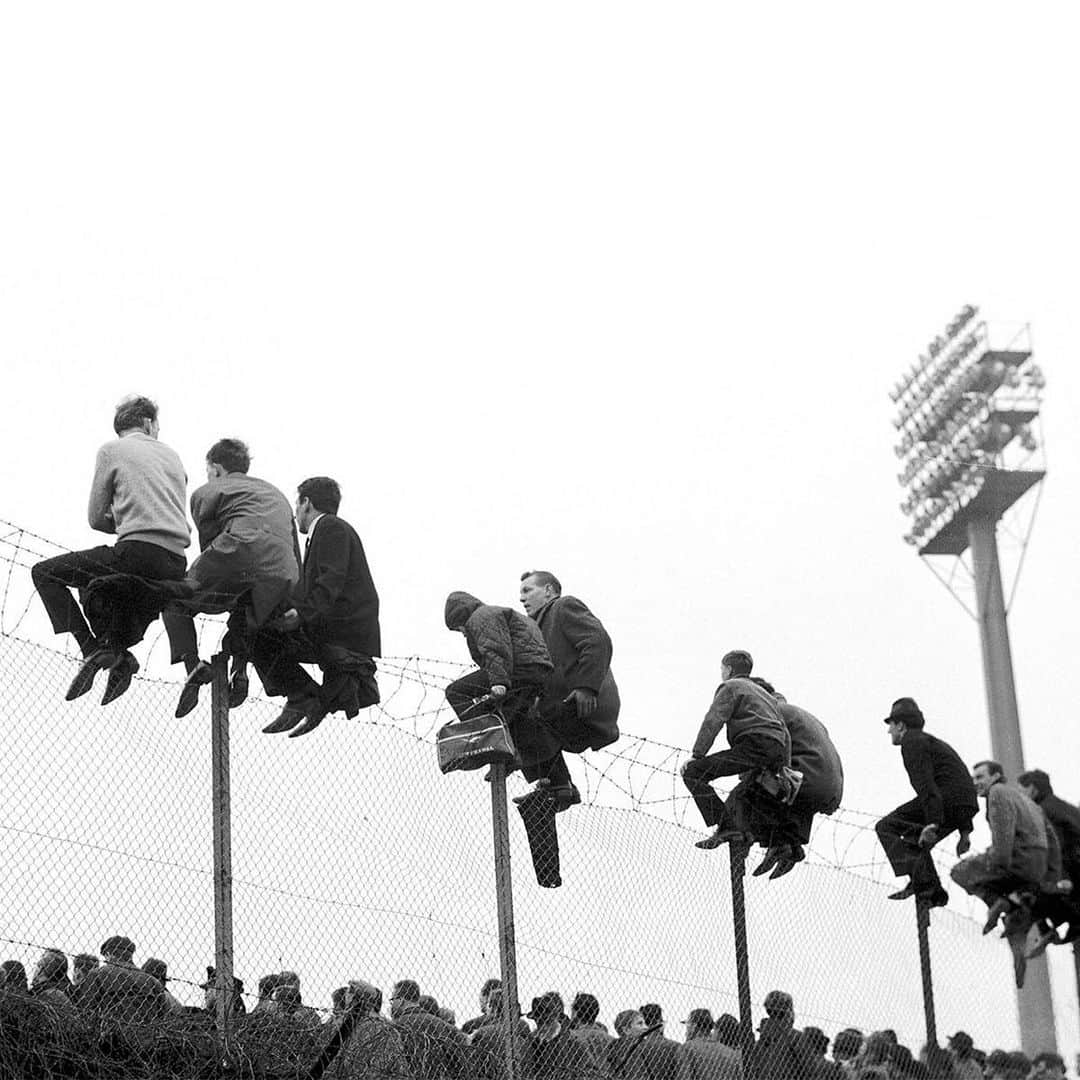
{"points": [[354, 859]]}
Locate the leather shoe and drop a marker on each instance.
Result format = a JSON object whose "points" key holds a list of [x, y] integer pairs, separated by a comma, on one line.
{"points": [[998, 908], [101, 658], [197, 678], [784, 865], [935, 898], [120, 677], [314, 715], [717, 837], [565, 796], [238, 690], [286, 720], [772, 857], [905, 893]]}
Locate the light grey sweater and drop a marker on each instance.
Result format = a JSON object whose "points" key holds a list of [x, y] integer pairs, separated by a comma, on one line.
{"points": [[139, 492]]}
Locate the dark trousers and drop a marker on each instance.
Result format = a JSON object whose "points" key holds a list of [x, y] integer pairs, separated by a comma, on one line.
{"points": [[899, 836], [348, 677], [746, 754], [55, 578], [184, 642], [537, 745]]}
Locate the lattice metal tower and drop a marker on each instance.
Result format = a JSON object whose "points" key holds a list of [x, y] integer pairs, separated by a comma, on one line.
{"points": [[968, 413]]}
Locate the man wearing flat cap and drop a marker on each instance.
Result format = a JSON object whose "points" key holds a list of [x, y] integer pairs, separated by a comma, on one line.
{"points": [[944, 802], [703, 1058], [552, 1052]]}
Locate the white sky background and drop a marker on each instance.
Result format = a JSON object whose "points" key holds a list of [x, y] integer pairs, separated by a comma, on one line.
{"points": [[613, 290]]}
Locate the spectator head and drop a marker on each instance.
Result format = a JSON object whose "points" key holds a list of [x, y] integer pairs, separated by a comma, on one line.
{"points": [[735, 664], [337, 1000], [404, 992], [322, 493], [136, 413], [13, 976], [1035, 784], [1048, 1065], [538, 589], [652, 1014], [901, 1060], [364, 998], [267, 985], [629, 1022], [877, 1048], [1001, 1065], [117, 950], [584, 1009], [699, 1024], [986, 774], [51, 969], [779, 1003], [428, 1004], [485, 992], [81, 966], [847, 1044], [494, 1003], [890, 1035], [448, 1015], [288, 978], [546, 1009], [229, 455], [905, 715], [816, 1041], [726, 1030], [960, 1044], [157, 968]]}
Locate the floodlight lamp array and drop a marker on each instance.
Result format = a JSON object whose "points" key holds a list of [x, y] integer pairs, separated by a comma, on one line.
{"points": [[959, 410]]}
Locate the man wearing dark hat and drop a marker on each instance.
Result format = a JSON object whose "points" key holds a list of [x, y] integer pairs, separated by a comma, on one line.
{"points": [[944, 802], [756, 734], [965, 1067], [552, 1052], [703, 1058]]}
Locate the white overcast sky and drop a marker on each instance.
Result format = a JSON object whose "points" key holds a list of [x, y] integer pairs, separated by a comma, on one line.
{"points": [[616, 290]]}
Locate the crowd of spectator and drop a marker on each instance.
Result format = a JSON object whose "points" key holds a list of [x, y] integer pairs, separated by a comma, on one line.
{"points": [[66, 1018]]}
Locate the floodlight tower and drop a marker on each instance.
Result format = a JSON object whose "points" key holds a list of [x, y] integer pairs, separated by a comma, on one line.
{"points": [[967, 411]]}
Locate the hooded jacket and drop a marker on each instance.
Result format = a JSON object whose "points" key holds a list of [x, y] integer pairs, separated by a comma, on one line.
{"points": [[507, 646]]}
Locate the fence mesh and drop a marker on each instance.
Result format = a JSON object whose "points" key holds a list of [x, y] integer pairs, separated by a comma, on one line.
{"points": [[355, 859]]}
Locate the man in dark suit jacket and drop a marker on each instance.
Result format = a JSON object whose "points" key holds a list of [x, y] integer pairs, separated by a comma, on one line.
{"points": [[944, 802], [334, 621], [580, 701]]}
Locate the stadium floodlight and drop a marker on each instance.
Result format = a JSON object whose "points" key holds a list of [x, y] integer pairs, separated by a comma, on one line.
{"points": [[966, 424]]}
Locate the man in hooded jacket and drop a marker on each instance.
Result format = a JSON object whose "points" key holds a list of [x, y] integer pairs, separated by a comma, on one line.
{"points": [[513, 664]]}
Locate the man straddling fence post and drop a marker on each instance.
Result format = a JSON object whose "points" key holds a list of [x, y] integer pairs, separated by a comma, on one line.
{"points": [[580, 701], [249, 564], [334, 621], [137, 494], [513, 665], [1009, 874], [757, 737], [944, 802]]}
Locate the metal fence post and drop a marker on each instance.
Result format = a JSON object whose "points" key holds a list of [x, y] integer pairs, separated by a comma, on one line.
{"points": [[223, 928], [504, 899], [922, 921], [738, 851]]}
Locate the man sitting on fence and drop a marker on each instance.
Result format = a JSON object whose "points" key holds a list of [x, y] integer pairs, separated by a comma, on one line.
{"points": [[944, 802], [580, 701], [779, 826], [1009, 875], [137, 494], [334, 621], [513, 664], [756, 735], [250, 556]]}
